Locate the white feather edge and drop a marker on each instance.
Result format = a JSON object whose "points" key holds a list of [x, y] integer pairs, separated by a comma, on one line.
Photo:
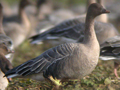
{"points": [[60, 39], [13, 75], [105, 58], [8, 56]]}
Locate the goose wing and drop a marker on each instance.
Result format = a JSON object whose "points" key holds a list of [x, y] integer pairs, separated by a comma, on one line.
{"points": [[69, 29], [42, 62], [110, 49]]}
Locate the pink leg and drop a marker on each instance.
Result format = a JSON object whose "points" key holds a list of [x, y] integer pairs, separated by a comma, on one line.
{"points": [[115, 69], [9, 79]]}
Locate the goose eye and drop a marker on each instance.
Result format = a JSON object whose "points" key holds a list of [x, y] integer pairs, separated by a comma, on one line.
{"points": [[9, 42]]}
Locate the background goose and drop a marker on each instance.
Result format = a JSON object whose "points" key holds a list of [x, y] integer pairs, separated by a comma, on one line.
{"points": [[17, 28], [5, 39], [72, 31], [5, 65], [66, 61], [50, 20], [60, 15], [110, 50], [57, 16]]}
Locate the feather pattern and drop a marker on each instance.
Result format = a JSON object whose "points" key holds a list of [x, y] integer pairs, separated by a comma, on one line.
{"points": [[110, 49], [42, 62], [69, 29]]}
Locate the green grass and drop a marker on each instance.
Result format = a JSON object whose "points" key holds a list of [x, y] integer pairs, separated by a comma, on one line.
{"points": [[11, 1], [63, 2], [102, 78]]}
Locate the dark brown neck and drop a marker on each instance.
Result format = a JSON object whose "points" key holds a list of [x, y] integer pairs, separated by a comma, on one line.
{"points": [[1, 26], [89, 29], [21, 12]]}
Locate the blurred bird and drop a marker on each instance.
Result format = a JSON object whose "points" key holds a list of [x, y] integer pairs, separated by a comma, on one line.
{"points": [[110, 50], [72, 31], [66, 61], [18, 27], [4, 39], [5, 65]]}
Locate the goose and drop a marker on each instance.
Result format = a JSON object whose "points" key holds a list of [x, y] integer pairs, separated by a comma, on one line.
{"points": [[4, 39], [65, 61], [110, 50], [5, 65], [72, 31], [18, 27]]}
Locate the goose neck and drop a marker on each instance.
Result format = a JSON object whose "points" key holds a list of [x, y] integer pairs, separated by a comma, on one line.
{"points": [[89, 29], [23, 18], [1, 26]]}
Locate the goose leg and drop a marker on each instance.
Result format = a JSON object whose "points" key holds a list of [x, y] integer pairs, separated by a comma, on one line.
{"points": [[10, 79], [116, 65], [55, 81]]}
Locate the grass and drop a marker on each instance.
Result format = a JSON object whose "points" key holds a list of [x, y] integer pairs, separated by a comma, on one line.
{"points": [[102, 78], [63, 3], [11, 1]]}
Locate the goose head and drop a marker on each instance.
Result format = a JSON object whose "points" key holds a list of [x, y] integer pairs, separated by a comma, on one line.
{"points": [[4, 49], [96, 9], [5, 65]]}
